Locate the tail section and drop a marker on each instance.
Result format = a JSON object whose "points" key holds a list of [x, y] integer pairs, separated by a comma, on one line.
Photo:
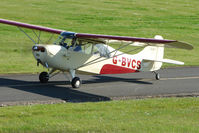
{"points": [[153, 57]]}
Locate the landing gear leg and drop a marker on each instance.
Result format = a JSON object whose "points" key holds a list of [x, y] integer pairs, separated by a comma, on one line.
{"points": [[76, 82], [157, 75]]}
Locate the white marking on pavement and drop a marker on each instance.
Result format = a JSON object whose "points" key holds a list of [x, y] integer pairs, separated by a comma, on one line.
{"points": [[177, 78]]}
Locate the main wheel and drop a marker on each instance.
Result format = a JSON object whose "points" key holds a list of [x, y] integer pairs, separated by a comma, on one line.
{"points": [[157, 76], [43, 77], [76, 82]]}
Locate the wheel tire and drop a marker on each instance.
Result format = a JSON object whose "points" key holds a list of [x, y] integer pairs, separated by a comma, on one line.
{"points": [[157, 76], [76, 82], [43, 77]]}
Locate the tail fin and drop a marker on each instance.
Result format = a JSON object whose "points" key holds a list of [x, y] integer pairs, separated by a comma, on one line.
{"points": [[153, 57]]}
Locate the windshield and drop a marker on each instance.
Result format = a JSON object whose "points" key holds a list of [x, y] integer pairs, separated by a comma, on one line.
{"points": [[68, 40]]}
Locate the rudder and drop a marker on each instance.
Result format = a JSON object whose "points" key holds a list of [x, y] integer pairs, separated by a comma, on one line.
{"points": [[152, 53]]}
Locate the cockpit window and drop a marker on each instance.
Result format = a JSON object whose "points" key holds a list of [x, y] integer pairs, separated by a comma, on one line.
{"points": [[98, 49], [68, 40], [87, 49], [65, 39], [103, 50]]}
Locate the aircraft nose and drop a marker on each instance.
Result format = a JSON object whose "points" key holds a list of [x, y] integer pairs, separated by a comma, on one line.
{"points": [[39, 53], [38, 48]]}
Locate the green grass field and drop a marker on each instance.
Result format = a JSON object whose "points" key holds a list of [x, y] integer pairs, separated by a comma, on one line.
{"points": [[167, 115], [173, 19]]}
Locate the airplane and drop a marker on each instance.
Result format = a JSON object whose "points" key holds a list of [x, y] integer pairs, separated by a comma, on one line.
{"points": [[94, 54]]}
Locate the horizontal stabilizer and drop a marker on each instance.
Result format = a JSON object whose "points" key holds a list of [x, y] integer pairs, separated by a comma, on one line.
{"points": [[166, 61]]}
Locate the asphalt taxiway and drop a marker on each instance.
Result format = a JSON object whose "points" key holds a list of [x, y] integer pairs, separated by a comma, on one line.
{"points": [[25, 88]]}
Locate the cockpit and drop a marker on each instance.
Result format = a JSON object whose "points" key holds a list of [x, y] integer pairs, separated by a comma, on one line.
{"points": [[66, 39], [87, 46]]}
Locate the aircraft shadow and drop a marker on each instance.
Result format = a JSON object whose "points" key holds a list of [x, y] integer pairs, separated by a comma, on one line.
{"points": [[52, 90], [106, 79]]}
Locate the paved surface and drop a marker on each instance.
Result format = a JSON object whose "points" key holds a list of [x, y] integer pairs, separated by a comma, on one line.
{"points": [[27, 89]]}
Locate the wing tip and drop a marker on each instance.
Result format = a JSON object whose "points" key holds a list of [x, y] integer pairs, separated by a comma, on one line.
{"points": [[183, 45]]}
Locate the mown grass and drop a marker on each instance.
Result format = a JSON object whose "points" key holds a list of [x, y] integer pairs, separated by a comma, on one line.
{"points": [[163, 115], [173, 19]]}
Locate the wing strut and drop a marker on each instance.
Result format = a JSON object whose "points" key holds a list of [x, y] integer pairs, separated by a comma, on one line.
{"points": [[27, 35], [38, 36]]}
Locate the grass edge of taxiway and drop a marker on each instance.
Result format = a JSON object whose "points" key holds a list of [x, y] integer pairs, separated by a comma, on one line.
{"points": [[140, 115]]}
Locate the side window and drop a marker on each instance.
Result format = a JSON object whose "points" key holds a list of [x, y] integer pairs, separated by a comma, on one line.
{"points": [[96, 50], [103, 50], [87, 49]]}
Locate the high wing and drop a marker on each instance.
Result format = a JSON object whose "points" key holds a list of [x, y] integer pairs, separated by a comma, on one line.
{"points": [[103, 38], [30, 26], [144, 41]]}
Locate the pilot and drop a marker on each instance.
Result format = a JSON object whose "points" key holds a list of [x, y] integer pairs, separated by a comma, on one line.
{"points": [[65, 45], [78, 48]]}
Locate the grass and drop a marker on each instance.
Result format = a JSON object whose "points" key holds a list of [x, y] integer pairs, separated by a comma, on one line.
{"points": [[172, 19], [163, 115]]}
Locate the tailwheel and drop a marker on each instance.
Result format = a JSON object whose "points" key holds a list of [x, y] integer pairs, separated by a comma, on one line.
{"points": [[157, 76], [43, 77], [76, 82]]}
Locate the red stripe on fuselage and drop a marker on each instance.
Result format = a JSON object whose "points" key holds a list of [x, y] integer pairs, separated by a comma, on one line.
{"points": [[113, 69]]}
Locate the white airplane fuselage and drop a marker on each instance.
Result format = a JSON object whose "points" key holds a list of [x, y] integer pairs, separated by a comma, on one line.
{"points": [[60, 58]]}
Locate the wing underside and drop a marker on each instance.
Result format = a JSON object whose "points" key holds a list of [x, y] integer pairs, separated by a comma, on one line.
{"points": [[94, 38]]}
